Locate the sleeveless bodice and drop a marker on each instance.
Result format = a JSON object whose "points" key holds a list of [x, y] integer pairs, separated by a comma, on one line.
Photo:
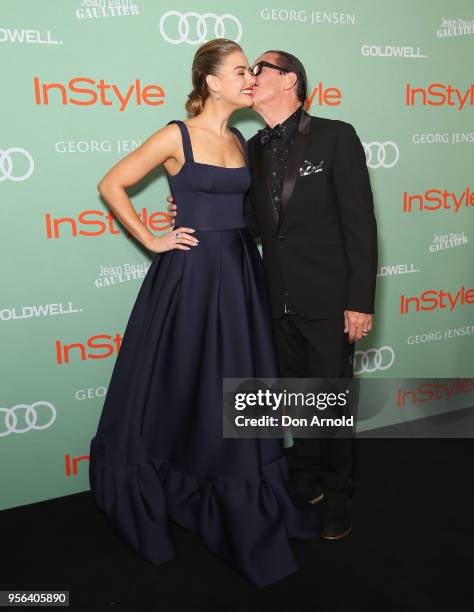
{"points": [[209, 197]]}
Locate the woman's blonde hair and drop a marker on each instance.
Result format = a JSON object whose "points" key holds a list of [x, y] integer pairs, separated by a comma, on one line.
{"points": [[207, 60]]}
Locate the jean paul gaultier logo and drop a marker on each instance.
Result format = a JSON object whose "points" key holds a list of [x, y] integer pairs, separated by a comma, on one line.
{"points": [[95, 9], [122, 273], [455, 27], [441, 242]]}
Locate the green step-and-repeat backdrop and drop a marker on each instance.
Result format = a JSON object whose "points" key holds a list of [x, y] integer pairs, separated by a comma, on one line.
{"points": [[85, 82]]}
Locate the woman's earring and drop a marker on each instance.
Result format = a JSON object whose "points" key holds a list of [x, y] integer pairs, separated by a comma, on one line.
{"points": [[217, 96]]}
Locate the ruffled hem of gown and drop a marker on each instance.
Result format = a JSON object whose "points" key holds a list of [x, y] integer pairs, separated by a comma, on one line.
{"points": [[247, 523]]}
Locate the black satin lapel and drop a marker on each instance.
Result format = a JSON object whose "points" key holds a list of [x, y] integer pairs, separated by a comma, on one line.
{"points": [[302, 140], [261, 172], [291, 174]]}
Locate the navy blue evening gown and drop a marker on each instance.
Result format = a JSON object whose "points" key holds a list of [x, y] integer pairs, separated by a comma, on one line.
{"points": [[200, 315]]}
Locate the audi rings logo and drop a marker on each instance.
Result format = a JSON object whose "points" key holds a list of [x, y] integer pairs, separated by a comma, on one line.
{"points": [[194, 29], [381, 154], [23, 417], [7, 171], [371, 360]]}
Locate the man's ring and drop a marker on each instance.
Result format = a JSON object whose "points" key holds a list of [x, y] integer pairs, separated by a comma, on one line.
{"points": [[365, 332]]}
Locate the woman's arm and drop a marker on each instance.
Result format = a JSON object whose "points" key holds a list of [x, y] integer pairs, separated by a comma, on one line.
{"points": [[162, 146]]}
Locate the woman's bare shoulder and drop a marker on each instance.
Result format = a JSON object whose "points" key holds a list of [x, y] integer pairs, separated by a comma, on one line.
{"points": [[170, 132]]}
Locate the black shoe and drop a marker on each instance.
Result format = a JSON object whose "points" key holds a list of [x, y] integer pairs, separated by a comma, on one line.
{"points": [[335, 529], [336, 516]]}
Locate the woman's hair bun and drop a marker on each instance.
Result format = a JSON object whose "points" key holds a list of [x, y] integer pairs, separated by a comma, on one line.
{"points": [[195, 103]]}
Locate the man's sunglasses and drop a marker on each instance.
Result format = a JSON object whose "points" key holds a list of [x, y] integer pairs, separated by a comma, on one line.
{"points": [[257, 68]]}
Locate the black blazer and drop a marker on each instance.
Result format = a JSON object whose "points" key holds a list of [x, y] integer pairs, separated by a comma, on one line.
{"points": [[320, 256]]}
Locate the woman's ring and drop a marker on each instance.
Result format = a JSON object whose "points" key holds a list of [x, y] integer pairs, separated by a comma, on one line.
{"points": [[178, 235]]}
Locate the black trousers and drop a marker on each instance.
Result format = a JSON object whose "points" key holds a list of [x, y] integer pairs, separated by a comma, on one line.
{"points": [[317, 349]]}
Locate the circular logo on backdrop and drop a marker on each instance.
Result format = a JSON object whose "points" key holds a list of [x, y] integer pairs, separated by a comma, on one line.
{"points": [[7, 170], [381, 154], [194, 29], [23, 417], [373, 359]]}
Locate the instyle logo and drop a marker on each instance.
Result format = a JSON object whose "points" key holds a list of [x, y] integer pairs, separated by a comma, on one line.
{"points": [[98, 223], [437, 199], [194, 29], [99, 92], [430, 392], [392, 51], [71, 463], [438, 94], [105, 349], [324, 96], [26, 417], [433, 299]]}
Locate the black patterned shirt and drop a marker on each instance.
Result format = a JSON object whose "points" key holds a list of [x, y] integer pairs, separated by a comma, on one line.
{"points": [[277, 152]]}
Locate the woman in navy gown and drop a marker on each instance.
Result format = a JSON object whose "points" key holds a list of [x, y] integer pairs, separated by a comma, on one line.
{"points": [[202, 314]]}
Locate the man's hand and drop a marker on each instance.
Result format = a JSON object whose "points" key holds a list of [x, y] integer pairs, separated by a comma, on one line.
{"points": [[172, 208], [356, 323]]}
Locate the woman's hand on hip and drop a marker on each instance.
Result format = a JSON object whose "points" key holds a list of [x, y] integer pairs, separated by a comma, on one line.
{"points": [[179, 238]]}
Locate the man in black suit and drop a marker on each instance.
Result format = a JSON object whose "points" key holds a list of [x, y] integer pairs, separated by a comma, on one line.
{"points": [[311, 205]]}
